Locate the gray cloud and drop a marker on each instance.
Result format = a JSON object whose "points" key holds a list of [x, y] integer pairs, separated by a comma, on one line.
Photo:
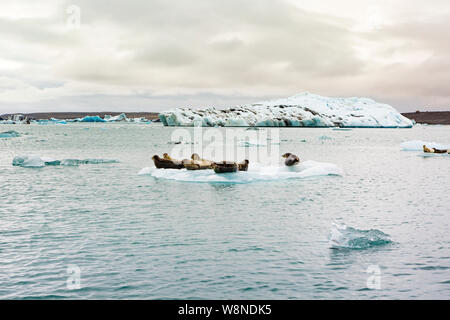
{"points": [[158, 54]]}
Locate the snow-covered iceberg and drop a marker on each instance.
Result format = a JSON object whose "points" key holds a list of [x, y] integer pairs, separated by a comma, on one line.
{"points": [[118, 118], [302, 110], [255, 173]]}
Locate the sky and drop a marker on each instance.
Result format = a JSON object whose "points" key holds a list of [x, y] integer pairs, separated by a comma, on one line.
{"points": [[154, 55]]}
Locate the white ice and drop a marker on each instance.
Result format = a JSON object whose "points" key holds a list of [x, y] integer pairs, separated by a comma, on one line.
{"points": [[417, 145], [34, 161], [255, 173], [302, 110]]}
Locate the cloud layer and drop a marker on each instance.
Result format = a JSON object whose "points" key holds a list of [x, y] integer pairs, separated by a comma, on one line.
{"points": [[158, 54]]}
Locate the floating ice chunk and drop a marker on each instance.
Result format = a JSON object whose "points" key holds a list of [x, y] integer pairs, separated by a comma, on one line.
{"points": [[417, 145], [344, 237], [255, 173], [9, 134], [118, 118], [50, 161], [28, 161], [32, 161], [92, 119]]}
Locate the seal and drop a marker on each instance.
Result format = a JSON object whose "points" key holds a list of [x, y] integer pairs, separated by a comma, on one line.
{"points": [[197, 163], [291, 159], [167, 162], [243, 166], [225, 167], [434, 150]]}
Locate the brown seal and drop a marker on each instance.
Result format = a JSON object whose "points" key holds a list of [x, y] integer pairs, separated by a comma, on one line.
{"points": [[167, 162], [291, 159]]}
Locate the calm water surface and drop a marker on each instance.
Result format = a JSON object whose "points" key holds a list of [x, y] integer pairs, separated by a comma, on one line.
{"points": [[137, 237]]}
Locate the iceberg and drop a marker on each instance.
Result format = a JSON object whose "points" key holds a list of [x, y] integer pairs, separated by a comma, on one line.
{"points": [[344, 237], [255, 173], [302, 110], [31, 161], [118, 118], [92, 119]]}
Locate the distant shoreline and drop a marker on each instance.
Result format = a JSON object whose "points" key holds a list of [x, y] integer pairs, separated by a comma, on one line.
{"points": [[427, 117], [76, 115]]}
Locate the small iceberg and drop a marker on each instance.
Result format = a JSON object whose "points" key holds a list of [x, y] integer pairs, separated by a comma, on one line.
{"points": [[9, 134], [344, 237], [33, 161], [92, 119], [255, 173], [118, 118], [417, 145]]}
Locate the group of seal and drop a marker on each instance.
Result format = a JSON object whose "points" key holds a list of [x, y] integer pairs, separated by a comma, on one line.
{"points": [[434, 150], [197, 163]]}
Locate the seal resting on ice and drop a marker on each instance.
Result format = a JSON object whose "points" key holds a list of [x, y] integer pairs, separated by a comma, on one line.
{"points": [[166, 162], [291, 159], [243, 166], [197, 163], [434, 150], [225, 166]]}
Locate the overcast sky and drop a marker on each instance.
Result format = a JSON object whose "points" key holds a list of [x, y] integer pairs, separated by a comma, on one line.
{"points": [[151, 55]]}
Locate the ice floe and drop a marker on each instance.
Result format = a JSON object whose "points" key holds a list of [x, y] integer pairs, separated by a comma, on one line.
{"points": [[34, 161], [302, 110], [255, 173], [417, 145], [344, 237]]}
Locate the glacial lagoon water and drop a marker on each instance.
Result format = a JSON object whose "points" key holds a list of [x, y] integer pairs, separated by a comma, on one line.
{"points": [[378, 228]]}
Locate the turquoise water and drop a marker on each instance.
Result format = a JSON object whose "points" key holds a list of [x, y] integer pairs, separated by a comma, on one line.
{"points": [[134, 236]]}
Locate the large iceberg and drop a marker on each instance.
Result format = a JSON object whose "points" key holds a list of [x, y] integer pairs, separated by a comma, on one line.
{"points": [[302, 110]]}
